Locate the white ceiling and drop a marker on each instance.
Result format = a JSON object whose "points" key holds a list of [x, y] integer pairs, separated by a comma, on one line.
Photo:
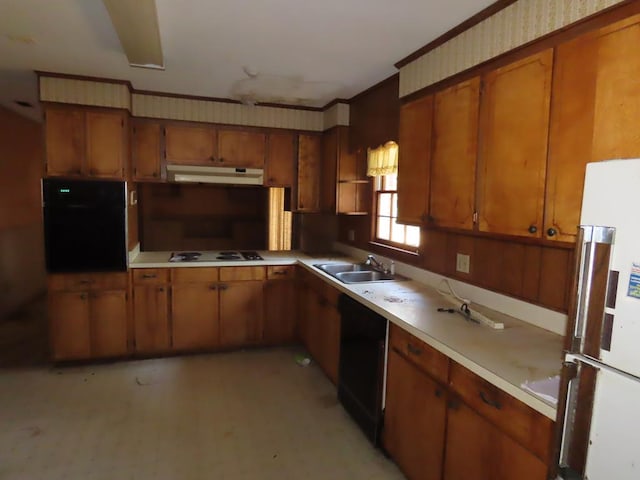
{"points": [[345, 46]]}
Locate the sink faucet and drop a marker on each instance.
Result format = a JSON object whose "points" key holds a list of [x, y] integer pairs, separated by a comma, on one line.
{"points": [[371, 260]]}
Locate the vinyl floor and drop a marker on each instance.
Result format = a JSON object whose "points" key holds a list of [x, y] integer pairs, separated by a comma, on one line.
{"points": [[241, 415]]}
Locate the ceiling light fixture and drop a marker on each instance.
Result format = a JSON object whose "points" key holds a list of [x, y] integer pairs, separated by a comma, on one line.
{"points": [[136, 24]]}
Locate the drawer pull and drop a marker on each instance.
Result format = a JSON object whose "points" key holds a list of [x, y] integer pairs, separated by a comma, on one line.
{"points": [[149, 275], [492, 403], [213, 287], [223, 287], [280, 272], [438, 393], [84, 282], [414, 350]]}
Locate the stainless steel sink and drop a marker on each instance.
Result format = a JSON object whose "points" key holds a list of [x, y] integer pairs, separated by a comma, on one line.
{"points": [[334, 268], [355, 272]]}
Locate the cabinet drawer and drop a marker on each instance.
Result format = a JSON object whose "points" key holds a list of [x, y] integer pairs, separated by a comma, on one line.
{"points": [[519, 421], [427, 358], [280, 272], [86, 281], [143, 276], [191, 275], [230, 274]]}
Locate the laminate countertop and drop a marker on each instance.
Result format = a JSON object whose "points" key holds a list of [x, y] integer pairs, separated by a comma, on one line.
{"points": [[506, 358]]}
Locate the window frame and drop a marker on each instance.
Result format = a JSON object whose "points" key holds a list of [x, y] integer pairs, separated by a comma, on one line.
{"points": [[378, 184]]}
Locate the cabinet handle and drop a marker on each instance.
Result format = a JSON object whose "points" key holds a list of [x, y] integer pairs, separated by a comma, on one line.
{"points": [[149, 275], [453, 404], [84, 281], [155, 174], [414, 350], [533, 229], [83, 296], [223, 287], [280, 272], [161, 289], [438, 392], [221, 159], [492, 403], [212, 158], [551, 232], [213, 287]]}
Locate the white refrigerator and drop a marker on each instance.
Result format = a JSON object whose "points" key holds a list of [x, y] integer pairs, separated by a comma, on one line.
{"points": [[599, 408]]}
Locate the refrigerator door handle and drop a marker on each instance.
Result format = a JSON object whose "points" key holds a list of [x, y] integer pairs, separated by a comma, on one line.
{"points": [[589, 237]]}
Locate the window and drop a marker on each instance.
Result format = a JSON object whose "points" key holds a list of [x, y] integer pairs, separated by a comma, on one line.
{"points": [[387, 229]]}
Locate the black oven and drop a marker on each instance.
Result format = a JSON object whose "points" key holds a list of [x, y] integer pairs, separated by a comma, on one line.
{"points": [[84, 225], [361, 373]]}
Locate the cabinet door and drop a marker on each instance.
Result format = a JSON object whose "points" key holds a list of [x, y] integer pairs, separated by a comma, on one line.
{"points": [[65, 141], [304, 314], [106, 142], [455, 150], [328, 322], [241, 149], [241, 313], [514, 116], [109, 323], [190, 145], [280, 166], [414, 424], [308, 188], [69, 325], [596, 97], [151, 319], [280, 312], [146, 151], [414, 156], [194, 316], [477, 449], [329, 170]]}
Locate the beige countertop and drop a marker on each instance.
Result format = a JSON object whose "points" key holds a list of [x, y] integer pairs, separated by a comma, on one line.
{"points": [[506, 358]]}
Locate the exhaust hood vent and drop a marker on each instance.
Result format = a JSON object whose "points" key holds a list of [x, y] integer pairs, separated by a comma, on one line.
{"points": [[219, 175]]}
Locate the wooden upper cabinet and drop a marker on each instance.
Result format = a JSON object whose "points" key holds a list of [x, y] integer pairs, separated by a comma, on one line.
{"points": [[238, 148], [190, 144], [65, 141], [454, 155], [280, 164], [86, 142], [596, 97], [414, 157], [329, 170], [146, 151], [107, 144], [308, 185], [514, 126]]}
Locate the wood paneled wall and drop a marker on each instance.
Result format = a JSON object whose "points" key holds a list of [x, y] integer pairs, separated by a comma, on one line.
{"points": [[535, 273], [202, 217], [375, 115], [22, 274]]}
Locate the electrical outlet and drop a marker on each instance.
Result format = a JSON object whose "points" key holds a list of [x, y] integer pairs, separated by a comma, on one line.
{"points": [[463, 262], [351, 235]]}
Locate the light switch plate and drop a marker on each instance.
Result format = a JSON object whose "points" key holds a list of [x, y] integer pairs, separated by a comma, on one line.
{"points": [[462, 263]]}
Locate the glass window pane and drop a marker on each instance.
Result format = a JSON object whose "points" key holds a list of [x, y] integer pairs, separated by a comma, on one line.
{"points": [[397, 232], [391, 182], [384, 228], [413, 236], [394, 206], [384, 207]]}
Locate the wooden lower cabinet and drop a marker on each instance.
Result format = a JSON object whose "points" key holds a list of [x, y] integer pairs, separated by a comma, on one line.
{"points": [[69, 325], [241, 313], [329, 340], [194, 316], [151, 319], [88, 316], [414, 426], [109, 323], [280, 312], [442, 421], [477, 449]]}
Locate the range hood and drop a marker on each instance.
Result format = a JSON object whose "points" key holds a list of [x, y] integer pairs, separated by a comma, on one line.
{"points": [[220, 175]]}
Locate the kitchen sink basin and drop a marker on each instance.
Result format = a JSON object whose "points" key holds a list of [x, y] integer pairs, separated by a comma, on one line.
{"points": [[355, 272], [334, 268]]}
